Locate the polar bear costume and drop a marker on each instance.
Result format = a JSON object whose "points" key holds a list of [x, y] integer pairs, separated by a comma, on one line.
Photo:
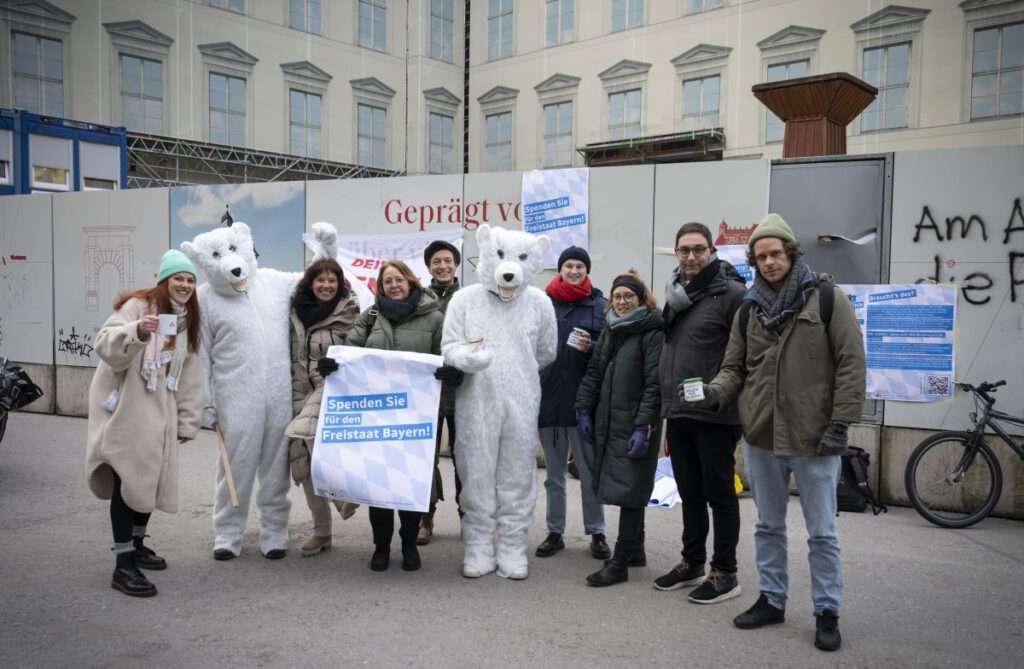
{"points": [[499, 400], [247, 366]]}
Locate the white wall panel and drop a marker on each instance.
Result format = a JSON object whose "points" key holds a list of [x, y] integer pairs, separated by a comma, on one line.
{"points": [[105, 243], [26, 278], [957, 217]]}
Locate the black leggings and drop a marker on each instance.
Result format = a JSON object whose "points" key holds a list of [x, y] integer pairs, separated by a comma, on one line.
{"points": [[122, 517]]}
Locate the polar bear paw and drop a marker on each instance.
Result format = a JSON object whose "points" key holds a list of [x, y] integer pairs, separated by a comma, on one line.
{"points": [[325, 233], [514, 573], [476, 361]]}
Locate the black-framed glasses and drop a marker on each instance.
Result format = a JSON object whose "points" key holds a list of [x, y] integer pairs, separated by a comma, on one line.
{"points": [[684, 251]]}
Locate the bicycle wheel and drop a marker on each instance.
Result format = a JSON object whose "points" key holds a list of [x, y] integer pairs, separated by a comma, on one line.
{"points": [[942, 490]]}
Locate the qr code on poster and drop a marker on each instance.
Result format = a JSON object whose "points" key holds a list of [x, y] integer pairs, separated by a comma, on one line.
{"points": [[936, 385]]}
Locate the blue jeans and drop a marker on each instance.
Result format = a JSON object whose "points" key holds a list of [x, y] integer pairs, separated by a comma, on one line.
{"points": [[556, 442], [816, 479]]}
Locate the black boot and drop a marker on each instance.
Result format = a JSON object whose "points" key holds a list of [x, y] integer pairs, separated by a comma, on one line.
{"points": [[381, 557], [615, 570], [145, 557], [410, 556], [129, 580], [639, 558]]}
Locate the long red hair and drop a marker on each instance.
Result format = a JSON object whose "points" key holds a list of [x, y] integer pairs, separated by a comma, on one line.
{"points": [[160, 297]]}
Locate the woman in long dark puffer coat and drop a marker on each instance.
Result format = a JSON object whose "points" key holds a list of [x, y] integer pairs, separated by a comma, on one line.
{"points": [[618, 409]]}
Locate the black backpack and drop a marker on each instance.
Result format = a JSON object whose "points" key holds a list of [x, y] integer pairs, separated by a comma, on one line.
{"points": [[853, 492]]}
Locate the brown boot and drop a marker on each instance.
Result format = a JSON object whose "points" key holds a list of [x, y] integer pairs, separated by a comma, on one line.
{"points": [[426, 529], [346, 509]]}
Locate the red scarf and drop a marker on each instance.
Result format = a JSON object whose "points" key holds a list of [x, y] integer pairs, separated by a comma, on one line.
{"points": [[566, 292]]}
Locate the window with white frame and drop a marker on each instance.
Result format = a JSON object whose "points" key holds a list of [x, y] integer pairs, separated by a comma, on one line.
{"points": [[557, 135], [698, 6], [372, 135], [232, 5], [624, 114], [442, 30], [142, 94], [304, 124], [5, 172], [997, 71], [499, 29], [227, 109], [441, 149], [305, 15], [627, 14], [38, 74], [373, 24], [558, 17], [498, 142], [51, 178], [701, 99], [887, 68], [774, 128]]}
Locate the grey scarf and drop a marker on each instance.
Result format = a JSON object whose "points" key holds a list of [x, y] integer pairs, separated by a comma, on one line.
{"points": [[776, 308], [676, 295], [615, 321]]}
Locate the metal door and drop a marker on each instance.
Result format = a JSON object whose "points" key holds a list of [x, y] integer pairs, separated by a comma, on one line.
{"points": [[838, 207]]}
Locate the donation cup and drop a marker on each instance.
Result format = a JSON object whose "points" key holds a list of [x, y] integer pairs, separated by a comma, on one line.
{"points": [[693, 389], [574, 337], [168, 325]]}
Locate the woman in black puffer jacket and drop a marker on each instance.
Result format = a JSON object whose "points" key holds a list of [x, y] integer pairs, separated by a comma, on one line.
{"points": [[618, 409]]}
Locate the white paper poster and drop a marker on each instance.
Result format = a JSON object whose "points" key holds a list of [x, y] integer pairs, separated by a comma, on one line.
{"points": [[361, 256], [555, 204], [909, 341], [375, 440]]}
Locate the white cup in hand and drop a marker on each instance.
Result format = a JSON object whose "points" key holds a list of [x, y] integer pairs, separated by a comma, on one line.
{"points": [[168, 325]]}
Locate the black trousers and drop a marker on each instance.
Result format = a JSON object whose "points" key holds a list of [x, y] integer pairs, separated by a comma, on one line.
{"points": [[383, 523], [123, 518], [631, 528], [704, 465], [438, 490]]}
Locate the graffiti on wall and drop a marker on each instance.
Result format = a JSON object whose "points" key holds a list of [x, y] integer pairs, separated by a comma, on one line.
{"points": [[976, 287], [74, 344]]}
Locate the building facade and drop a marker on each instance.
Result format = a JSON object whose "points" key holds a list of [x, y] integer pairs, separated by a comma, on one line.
{"points": [[372, 82], [381, 82]]}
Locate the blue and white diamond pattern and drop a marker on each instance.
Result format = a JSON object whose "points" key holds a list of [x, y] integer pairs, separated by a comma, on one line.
{"points": [[389, 473], [545, 185]]}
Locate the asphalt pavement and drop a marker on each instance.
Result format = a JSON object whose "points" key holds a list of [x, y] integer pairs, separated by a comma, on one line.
{"points": [[916, 595]]}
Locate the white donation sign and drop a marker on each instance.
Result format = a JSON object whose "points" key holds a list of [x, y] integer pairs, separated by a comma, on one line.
{"points": [[376, 437]]}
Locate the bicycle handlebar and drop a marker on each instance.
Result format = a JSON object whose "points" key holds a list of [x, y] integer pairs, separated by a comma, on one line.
{"points": [[983, 388]]}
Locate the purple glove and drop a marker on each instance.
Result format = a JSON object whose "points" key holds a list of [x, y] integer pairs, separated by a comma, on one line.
{"points": [[640, 441], [585, 425]]}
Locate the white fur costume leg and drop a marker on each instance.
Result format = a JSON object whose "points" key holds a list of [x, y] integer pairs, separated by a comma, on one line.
{"points": [[500, 332]]}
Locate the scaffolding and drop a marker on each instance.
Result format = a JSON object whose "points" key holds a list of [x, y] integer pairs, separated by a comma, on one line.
{"points": [[155, 161]]}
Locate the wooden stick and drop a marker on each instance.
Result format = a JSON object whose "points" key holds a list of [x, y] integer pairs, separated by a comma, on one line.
{"points": [[227, 466]]}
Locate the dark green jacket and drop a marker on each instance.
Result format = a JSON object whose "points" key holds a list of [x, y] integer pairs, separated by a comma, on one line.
{"points": [[420, 333], [621, 388], [789, 385], [444, 296]]}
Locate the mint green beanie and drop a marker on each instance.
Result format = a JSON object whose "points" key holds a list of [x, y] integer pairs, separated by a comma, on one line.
{"points": [[173, 262], [771, 225]]}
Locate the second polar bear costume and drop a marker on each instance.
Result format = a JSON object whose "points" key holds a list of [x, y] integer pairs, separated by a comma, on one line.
{"points": [[501, 332], [246, 356]]}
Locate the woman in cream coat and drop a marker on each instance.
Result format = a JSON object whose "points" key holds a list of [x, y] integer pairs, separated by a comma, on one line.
{"points": [[146, 397]]}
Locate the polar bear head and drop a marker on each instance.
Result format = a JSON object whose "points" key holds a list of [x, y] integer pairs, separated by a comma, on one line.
{"points": [[508, 259], [225, 256]]}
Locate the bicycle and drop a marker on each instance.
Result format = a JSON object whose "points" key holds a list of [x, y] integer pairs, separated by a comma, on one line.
{"points": [[953, 479]]}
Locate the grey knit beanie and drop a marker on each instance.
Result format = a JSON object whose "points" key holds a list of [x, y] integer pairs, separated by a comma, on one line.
{"points": [[771, 226]]}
